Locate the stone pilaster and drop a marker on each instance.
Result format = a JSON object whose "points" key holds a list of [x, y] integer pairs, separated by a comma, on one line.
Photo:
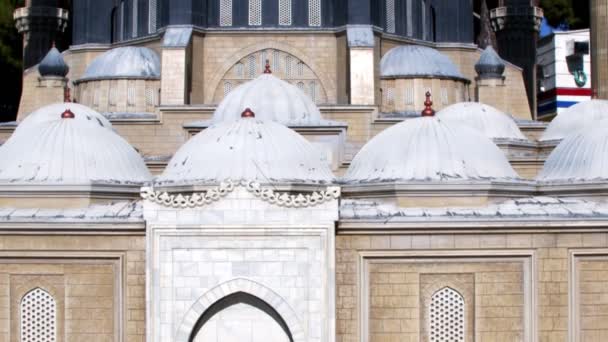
{"points": [[176, 64], [361, 55]]}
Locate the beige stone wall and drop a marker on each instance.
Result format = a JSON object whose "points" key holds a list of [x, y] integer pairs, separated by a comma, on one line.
{"points": [[593, 299], [112, 96], [506, 267], [403, 95], [38, 92], [97, 282], [223, 50], [173, 77]]}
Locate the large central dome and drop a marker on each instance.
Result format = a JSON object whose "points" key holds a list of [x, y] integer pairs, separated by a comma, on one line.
{"points": [[247, 149], [429, 149], [271, 99]]}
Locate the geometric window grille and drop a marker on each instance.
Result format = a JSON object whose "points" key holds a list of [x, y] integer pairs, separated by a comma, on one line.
{"points": [[151, 16], [390, 96], [288, 64], [284, 12], [447, 316], [227, 88], [410, 20], [38, 317], [409, 96], [255, 12], [276, 60], [444, 96], [131, 93], [313, 91], [314, 12], [251, 62], [239, 70], [390, 16], [263, 59], [150, 97], [135, 18], [225, 12], [300, 69]]}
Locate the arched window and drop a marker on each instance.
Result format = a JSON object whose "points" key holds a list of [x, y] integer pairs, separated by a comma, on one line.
{"points": [[255, 12], [152, 16], [390, 16], [38, 317], [285, 12], [314, 12], [225, 12], [446, 316]]}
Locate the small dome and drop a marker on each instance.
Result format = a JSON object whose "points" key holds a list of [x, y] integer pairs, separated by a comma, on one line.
{"points": [[488, 120], [69, 149], [574, 118], [411, 61], [125, 62], [247, 149], [490, 65], [428, 149], [274, 99], [49, 113], [53, 64], [580, 156]]}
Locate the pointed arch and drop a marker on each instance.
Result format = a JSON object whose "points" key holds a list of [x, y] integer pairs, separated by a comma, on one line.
{"points": [[38, 316], [447, 316], [240, 289]]}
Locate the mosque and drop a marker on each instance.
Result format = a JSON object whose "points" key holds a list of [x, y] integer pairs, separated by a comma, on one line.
{"points": [[294, 171]]}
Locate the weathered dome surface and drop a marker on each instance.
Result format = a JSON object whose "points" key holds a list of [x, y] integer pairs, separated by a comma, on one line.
{"points": [[53, 64], [124, 62], [429, 149], [581, 156], [490, 65], [69, 151], [50, 113], [488, 120], [417, 61], [247, 149], [575, 118], [271, 99]]}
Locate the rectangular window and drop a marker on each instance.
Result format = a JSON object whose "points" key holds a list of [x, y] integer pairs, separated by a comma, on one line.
{"points": [[423, 19], [390, 16], [121, 29], [131, 94], [410, 19], [255, 12], [151, 16], [409, 96], [284, 12], [225, 12], [314, 12], [135, 17]]}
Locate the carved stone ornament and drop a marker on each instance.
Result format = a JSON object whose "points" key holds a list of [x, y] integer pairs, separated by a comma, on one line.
{"points": [[281, 199]]}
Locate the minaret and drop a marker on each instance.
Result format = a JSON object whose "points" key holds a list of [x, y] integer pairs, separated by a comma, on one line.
{"points": [[599, 48], [40, 22], [517, 23]]}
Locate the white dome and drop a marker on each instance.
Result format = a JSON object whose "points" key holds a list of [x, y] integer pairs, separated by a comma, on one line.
{"points": [[580, 156], [124, 62], [69, 150], [428, 148], [271, 97], [488, 120], [574, 118], [416, 61], [52, 112], [247, 149]]}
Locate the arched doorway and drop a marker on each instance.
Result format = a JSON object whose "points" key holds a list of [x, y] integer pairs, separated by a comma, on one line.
{"points": [[241, 317]]}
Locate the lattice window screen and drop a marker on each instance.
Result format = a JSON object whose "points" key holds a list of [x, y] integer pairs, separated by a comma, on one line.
{"points": [[288, 66], [276, 60], [390, 16], [390, 96], [301, 86], [225, 12], [284, 12], [446, 316], [151, 16], [135, 18], [313, 91], [314, 12], [263, 59], [239, 70], [251, 66], [300, 69], [444, 96], [150, 97], [255, 12], [409, 96], [38, 317], [227, 88], [131, 93]]}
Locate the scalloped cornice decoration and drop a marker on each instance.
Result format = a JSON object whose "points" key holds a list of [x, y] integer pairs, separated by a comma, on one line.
{"points": [[201, 199]]}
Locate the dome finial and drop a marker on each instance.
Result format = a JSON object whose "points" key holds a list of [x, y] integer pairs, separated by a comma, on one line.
{"points": [[267, 68], [67, 114], [428, 106], [248, 113]]}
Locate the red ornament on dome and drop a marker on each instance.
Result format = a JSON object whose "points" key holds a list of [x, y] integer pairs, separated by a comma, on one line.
{"points": [[68, 114], [267, 68], [428, 106], [248, 113]]}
